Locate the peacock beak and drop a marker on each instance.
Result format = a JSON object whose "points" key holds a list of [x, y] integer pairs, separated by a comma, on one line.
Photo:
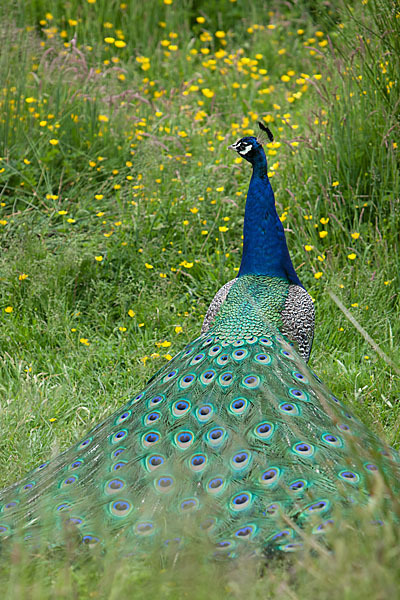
{"points": [[231, 147]]}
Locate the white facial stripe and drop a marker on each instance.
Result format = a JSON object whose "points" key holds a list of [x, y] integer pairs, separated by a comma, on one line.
{"points": [[246, 149]]}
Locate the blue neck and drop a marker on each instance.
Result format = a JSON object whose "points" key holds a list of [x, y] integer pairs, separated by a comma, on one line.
{"points": [[265, 251]]}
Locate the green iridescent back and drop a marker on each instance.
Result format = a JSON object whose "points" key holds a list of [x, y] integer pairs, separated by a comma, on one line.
{"points": [[254, 306]]}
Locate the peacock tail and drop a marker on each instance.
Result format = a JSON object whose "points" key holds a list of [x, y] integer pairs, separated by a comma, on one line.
{"points": [[235, 439]]}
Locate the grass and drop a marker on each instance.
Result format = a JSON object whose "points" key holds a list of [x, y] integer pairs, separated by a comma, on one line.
{"points": [[121, 213]]}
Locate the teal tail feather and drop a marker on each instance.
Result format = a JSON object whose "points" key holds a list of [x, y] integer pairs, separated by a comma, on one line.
{"points": [[239, 438]]}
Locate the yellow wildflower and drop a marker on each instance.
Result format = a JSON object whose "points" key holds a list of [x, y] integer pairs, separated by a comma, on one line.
{"points": [[186, 264]]}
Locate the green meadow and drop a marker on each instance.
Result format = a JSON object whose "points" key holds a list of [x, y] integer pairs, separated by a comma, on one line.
{"points": [[121, 214]]}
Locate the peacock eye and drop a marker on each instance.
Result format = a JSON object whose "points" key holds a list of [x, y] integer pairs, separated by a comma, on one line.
{"points": [[245, 148]]}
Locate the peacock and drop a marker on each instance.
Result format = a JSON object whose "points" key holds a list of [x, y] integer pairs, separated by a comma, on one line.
{"points": [[235, 439]]}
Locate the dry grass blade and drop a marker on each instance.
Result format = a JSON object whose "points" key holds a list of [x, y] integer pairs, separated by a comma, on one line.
{"points": [[364, 333]]}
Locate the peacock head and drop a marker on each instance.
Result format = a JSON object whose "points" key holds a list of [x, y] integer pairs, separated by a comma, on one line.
{"points": [[250, 147], [247, 147]]}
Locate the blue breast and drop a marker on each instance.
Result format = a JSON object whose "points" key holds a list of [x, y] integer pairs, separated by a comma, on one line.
{"points": [[265, 251]]}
